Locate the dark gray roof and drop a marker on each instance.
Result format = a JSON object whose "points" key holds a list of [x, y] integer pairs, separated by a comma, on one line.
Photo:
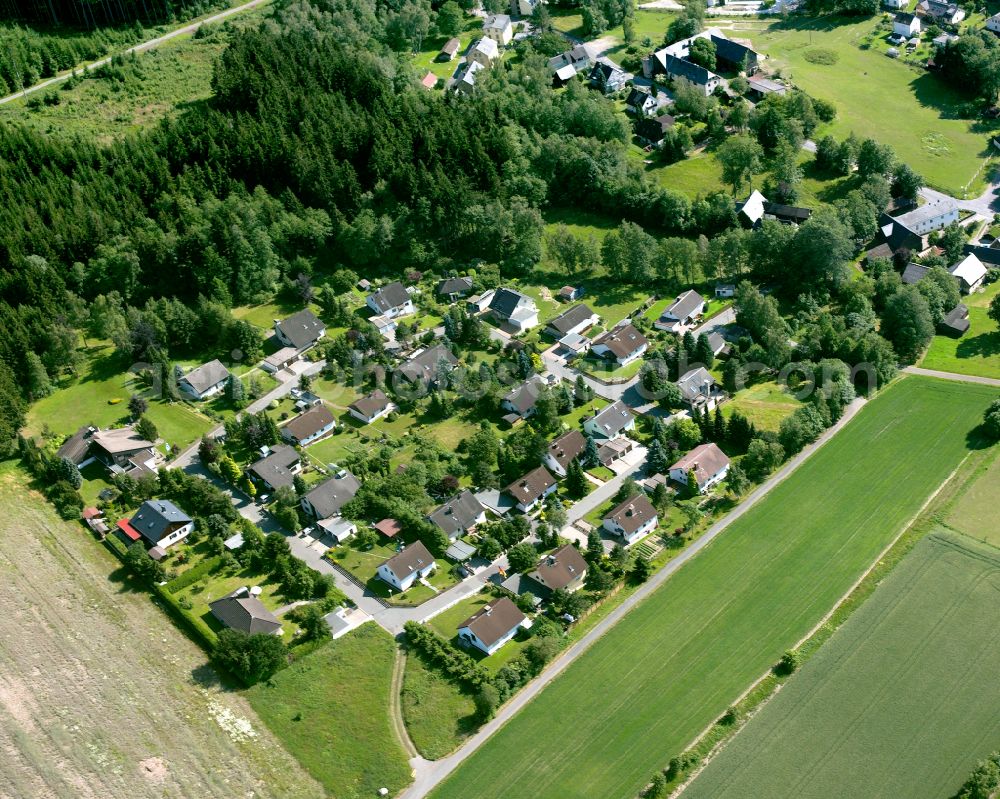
{"points": [[505, 301], [733, 52], [523, 398], [331, 495], [424, 366], [570, 318], [691, 382], [685, 305], [792, 213], [685, 69], [603, 71], [636, 97], [275, 468], [988, 255], [392, 296], [76, 447], [302, 329], [914, 273], [455, 285], [957, 319], [613, 419], [905, 18], [156, 516], [240, 611], [458, 514], [207, 375]]}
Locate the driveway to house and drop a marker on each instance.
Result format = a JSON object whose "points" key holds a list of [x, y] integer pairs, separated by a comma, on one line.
{"points": [[428, 774], [727, 316], [557, 366], [139, 48], [985, 205], [985, 381]]}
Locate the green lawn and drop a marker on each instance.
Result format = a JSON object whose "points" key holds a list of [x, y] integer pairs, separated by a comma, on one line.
{"points": [[677, 661], [437, 713], [975, 353], [215, 586], [907, 688], [916, 112], [331, 711], [698, 175], [764, 404], [975, 512], [425, 59]]}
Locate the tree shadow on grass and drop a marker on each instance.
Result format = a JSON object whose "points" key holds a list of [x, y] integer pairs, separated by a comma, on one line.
{"points": [[982, 346]]}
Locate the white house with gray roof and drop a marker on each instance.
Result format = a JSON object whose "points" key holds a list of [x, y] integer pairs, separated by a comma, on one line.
{"points": [[459, 515], [513, 308], [682, 313], [161, 522], [610, 422], [391, 301], [205, 381], [301, 330]]}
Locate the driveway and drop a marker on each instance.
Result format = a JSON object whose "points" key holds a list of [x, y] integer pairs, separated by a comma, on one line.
{"points": [[725, 317]]}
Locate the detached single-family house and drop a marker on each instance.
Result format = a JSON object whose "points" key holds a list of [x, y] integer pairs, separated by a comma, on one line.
{"points": [[610, 422], [563, 451], [632, 519], [622, 344], [573, 320], [278, 467], [325, 500], [653, 130], [699, 389], [205, 381], [530, 490], [404, 568], [391, 301], [161, 523], [521, 400], [123, 451], [640, 103], [282, 359], [466, 82], [970, 273], [242, 611], [453, 288], [607, 77], [450, 50], [371, 407], [428, 366], [709, 464], [301, 330], [566, 65], [682, 313], [493, 625], [513, 308], [459, 516], [564, 568], [942, 11], [956, 323], [483, 52], [499, 28], [308, 427], [906, 25], [993, 23], [750, 212]]}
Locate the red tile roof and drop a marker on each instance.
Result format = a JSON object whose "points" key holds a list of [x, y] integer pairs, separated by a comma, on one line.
{"points": [[126, 527]]}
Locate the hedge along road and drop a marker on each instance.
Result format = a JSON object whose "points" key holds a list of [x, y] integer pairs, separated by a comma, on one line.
{"points": [[642, 693]]}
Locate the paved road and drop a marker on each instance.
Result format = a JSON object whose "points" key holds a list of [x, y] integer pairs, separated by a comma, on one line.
{"points": [[428, 774], [986, 381], [985, 205], [139, 48]]}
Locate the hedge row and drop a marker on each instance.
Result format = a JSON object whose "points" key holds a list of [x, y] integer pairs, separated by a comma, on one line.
{"points": [[457, 665], [194, 574]]}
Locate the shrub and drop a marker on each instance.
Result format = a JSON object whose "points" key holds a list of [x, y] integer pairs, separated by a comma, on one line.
{"points": [[821, 55]]}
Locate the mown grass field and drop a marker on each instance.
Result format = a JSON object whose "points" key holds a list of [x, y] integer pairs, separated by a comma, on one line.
{"points": [[331, 711], [975, 353], [676, 662], [902, 701], [975, 512], [764, 404]]}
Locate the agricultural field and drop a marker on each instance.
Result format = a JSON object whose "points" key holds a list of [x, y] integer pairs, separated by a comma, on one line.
{"points": [[111, 102], [917, 113], [975, 512], [975, 353], [907, 687], [677, 661], [331, 710], [145, 716]]}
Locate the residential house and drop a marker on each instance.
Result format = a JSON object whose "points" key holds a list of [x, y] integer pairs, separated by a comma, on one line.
{"points": [[403, 569], [521, 400], [493, 625], [371, 407], [563, 569], [511, 307], [161, 523], [450, 50], [429, 81], [623, 344], [759, 88], [718, 344], [301, 330], [608, 77], [576, 319], [786, 214], [653, 130], [308, 427], [123, 451], [524, 8], [673, 61], [530, 490], [427, 367], [459, 515], [694, 75], [325, 500], [941, 11], [751, 211], [682, 313], [76, 448], [483, 52], [910, 230], [632, 520], [699, 389], [610, 422], [566, 65], [205, 381], [563, 451], [906, 25], [278, 467], [282, 359], [993, 23], [454, 288], [956, 323], [895, 5], [466, 82], [242, 611], [499, 28], [914, 273], [970, 273], [639, 102], [391, 301], [709, 464], [569, 293]]}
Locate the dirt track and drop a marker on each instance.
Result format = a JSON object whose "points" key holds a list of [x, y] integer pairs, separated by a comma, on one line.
{"points": [[100, 696]]}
